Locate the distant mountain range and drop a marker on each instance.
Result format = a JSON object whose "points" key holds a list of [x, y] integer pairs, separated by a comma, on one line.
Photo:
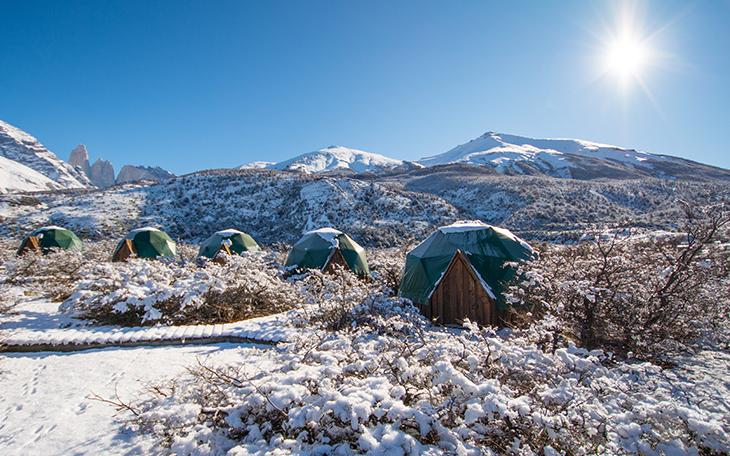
{"points": [[569, 158], [26, 160], [27, 165], [335, 159], [512, 155]]}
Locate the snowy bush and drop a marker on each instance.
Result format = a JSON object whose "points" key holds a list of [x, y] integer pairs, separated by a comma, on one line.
{"points": [[386, 266], [149, 292], [647, 295], [55, 274], [391, 384]]}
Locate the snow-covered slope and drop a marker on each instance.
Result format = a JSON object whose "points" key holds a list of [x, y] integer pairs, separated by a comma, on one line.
{"points": [[338, 158], [20, 147], [15, 177], [573, 158]]}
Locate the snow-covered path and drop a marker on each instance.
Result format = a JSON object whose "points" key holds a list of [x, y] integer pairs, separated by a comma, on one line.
{"points": [[36, 324], [45, 407]]}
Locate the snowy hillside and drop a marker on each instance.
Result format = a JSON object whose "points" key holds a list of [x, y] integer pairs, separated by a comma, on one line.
{"points": [[277, 206], [272, 206], [20, 147], [17, 177], [571, 158], [338, 158]]}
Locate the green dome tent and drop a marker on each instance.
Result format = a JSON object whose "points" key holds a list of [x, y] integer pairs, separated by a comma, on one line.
{"points": [[322, 248], [44, 239], [458, 271], [145, 243], [229, 241]]}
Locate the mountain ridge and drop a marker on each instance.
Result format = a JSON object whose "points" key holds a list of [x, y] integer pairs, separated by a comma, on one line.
{"points": [[22, 148], [569, 158]]}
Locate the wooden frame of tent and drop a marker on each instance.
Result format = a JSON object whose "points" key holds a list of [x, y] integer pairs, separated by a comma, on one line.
{"points": [[124, 251], [30, 244], [460, 293], [335, 258], [218, 258]]}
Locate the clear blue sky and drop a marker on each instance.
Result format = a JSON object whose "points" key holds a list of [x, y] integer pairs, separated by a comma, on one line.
{"points": [[191, 85]]}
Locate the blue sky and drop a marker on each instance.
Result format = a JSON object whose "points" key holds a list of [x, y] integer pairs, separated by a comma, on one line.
{"points": [[192, 85]]}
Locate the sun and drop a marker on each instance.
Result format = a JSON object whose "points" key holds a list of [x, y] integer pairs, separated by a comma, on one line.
{"points": [[626, 57]]}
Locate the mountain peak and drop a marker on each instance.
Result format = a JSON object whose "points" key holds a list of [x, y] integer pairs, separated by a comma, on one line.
{"points": [[572, 158], [337, 158], [24, 149]]}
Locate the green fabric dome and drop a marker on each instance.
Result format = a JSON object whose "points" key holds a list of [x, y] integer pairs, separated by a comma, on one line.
{"points": [[315, 248], [54, 237], [239, 242], [149, 243], [487, 248]]}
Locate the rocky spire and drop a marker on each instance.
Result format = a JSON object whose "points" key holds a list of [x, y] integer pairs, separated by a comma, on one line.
{"points": [[102, 173], [79, 159]]}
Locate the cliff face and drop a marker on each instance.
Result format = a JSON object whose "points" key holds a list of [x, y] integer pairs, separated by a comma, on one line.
{"points": [[102, 173]]}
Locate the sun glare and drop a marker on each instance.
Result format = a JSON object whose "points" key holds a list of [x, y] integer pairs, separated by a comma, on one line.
{"points": [[626, 57], [626, 52]]}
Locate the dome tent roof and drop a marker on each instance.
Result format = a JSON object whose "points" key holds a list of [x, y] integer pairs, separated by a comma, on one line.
{"points": [[315, 249], [50, 237], [486, 247], [239, 242], [147, 242]]}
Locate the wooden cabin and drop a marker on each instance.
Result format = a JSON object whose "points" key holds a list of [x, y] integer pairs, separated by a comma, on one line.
{"points": [[461, 294]]}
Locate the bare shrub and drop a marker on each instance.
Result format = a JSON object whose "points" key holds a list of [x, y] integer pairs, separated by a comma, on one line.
{"points": [[386, 266], [647, 296]]}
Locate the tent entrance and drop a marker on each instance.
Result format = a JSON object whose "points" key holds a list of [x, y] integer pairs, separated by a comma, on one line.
{"points": [[459, 294], [218, 258], [335, 258], [31, 243], [125, 251]]}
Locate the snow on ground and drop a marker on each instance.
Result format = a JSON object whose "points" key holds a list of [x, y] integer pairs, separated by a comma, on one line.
{"points": [[39, 322], [46, 407]]}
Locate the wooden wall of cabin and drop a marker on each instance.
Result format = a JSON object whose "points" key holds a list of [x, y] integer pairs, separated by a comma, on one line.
{"points": [[460, 295]]}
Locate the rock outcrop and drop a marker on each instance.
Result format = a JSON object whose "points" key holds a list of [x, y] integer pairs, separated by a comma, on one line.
{"points": [[102, 173], [79, 159], [132, 173]]}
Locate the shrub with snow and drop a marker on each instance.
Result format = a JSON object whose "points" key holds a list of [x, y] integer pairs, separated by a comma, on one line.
{"points": [[647, 295], [150, 292], [391, 384], [55, 274]]}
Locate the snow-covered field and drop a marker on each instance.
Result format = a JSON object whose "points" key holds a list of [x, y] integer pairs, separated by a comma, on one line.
{"points": [[366, 382], [47, 407]]}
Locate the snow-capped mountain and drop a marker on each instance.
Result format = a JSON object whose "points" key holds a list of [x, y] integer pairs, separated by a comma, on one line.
{"points": [[22, 148], [571, 158], [15, 177], [338, 158]]}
